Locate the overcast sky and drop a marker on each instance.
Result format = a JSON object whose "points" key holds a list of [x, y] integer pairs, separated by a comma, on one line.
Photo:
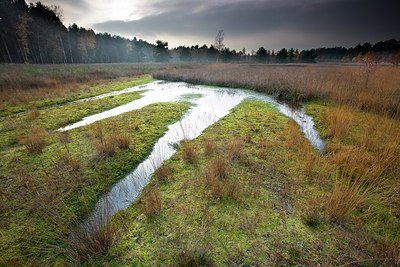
{"points": [[247, 23]]}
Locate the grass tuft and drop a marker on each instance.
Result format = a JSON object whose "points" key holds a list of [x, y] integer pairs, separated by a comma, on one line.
{"points": [[35, 140], [151, 203], [349, 192], [189, 153]]}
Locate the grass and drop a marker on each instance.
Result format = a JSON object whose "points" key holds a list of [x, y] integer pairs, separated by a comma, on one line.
{"points": [[230, 210], [360, 87], [44, 195], [249, 191], [279, 202], [16, 100], [15, 126], [35, 140]]}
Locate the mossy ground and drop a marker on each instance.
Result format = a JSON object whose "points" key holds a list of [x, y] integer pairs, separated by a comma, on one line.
{"points": [[269, 210], [258, 218]]}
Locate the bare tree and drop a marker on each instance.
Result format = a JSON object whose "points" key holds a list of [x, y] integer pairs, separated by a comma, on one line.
{"points": [[219, 40]]}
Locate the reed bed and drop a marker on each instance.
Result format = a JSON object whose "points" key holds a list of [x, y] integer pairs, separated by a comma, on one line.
{"points": [[368, 88]]}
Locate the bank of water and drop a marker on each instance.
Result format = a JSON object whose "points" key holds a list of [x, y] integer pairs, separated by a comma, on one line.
{"points": [[208, 106]]}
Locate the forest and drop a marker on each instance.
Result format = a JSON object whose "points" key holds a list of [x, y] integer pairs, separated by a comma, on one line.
{"points": [[35, 34]]}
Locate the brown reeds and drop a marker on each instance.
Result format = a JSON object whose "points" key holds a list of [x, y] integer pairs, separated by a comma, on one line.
{"points": [[341, 84], [349, 191], [121, 140]]}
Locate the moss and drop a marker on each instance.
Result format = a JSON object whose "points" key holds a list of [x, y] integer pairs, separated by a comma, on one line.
{"points": [[262, 223]]}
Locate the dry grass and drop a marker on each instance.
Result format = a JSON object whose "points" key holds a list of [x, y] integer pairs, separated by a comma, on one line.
{"points": [[121, 140], [104, 150], [33, 114], [218, 168], [163, 172], [349, 193], [235, 149], [341, 84], [189, 153], [209, 147], [86, 243], [35, 140], [150, 204], [339, 122], [294, 138]]}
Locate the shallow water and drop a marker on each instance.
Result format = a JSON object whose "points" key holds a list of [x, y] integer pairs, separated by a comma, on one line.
{"points": [[209, 105]]}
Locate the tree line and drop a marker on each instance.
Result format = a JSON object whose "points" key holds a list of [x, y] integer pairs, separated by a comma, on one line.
{"points": [[35, 34]]}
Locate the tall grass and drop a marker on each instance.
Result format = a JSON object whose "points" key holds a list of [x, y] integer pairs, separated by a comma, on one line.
{"points": [[342, 84], [349, 192], [25, 83]]}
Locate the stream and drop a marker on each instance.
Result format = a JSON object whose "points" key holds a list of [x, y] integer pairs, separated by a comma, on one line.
{"points": [[209, 104]]}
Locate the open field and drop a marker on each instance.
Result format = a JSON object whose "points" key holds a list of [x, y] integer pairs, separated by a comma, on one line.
{"points": [[249, 191]]}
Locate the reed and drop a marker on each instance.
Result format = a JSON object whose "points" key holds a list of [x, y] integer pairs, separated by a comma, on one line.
{"points": [[349, 192], [340, 84]]}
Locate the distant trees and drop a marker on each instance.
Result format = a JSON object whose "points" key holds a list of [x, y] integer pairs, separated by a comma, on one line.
{"points": [[282, 55], [34, 33], [261, 55], [22, 33], [161, 52]]}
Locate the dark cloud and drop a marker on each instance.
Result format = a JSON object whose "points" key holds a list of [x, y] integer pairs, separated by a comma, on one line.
{"points": [[75, 4], [298, 23]]}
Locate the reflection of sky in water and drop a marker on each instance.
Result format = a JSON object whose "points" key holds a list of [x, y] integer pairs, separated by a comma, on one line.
{"points": [[214, 103]]}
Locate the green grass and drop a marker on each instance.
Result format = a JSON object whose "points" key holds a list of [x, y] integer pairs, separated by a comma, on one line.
{"points": [[14, 127], [67, 95], [45, 194]]}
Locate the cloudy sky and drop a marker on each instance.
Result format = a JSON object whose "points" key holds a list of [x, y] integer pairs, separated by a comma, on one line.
{"points": [[247, 23]]}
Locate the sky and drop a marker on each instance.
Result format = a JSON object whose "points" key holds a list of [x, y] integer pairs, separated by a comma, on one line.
{"points": [[249, 24]]}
